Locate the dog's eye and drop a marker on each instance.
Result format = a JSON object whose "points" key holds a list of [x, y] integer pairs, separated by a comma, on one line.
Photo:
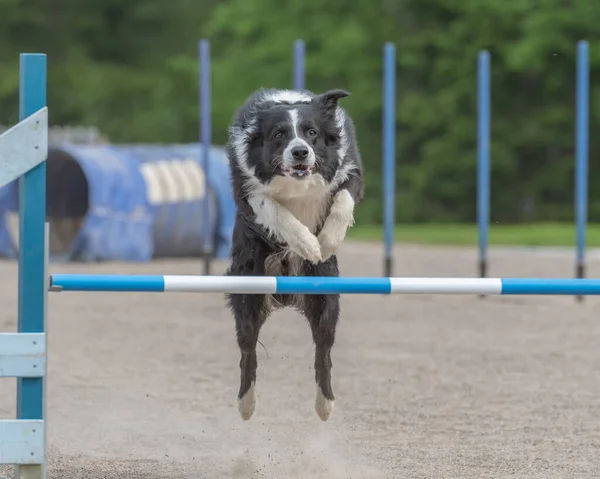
{"points": [[278, 135], [312, 132]]}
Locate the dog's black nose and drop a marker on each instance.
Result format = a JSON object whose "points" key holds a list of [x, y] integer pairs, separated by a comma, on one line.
{"points": [[299, 152]]}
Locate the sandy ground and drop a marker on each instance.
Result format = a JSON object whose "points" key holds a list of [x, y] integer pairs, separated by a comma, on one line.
{"points": [[143, 386]]}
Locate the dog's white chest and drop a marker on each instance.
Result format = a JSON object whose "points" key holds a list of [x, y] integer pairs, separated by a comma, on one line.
{"points": [[308, 200]]}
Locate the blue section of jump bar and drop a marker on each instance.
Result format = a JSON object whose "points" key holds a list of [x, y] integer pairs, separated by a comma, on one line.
{"points": [[326, 285], [100, 282], [555, 286]]}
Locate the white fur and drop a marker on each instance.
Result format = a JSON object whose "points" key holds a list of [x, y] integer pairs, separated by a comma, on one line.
{"points": [[297, 141], [287, 96], [323, 406], [344, 169], [307, 199], [247, 404], [340, 119], [292, 210], [342, 174], [340, 218], [284, 226], [239, 138]]}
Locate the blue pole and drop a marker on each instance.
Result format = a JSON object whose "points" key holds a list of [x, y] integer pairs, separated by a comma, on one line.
{"points": [[299, 62], [205, 135], [389, 153], [32, 216], [483, 157], [581, 148]]}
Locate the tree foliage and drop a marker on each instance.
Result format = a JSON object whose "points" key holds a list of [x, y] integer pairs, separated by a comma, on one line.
{"points": [[130, 68]]}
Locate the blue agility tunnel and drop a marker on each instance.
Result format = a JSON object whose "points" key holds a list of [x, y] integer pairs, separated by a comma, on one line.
{"points": [[129, 203]]}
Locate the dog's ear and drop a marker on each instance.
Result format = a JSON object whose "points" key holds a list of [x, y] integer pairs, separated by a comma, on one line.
{"points": [[329, 99]]}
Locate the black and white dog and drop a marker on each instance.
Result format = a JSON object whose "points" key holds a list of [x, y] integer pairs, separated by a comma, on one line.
{"points": [[297, 176]]}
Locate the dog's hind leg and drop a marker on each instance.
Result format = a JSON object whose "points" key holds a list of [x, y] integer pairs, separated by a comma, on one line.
{"points": [[250, 311], [322, 312]]}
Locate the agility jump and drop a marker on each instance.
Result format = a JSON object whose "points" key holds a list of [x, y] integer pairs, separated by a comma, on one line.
{"points": [[23, 151], [321, 285]]}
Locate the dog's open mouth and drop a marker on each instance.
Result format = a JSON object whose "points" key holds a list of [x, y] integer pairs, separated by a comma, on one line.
{"points": [[299, 171]]}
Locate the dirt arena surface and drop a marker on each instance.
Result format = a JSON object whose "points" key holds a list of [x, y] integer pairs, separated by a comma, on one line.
{"points": [[144, 385]]}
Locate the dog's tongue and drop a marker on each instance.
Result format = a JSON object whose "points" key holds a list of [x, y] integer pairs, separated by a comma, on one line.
{"points": [[300, 170], [300, 173]]}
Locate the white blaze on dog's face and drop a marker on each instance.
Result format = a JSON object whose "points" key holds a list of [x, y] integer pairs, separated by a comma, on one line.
{"points": [[298, 155], [289, 137]]}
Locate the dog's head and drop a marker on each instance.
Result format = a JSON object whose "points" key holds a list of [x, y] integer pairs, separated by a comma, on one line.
{"points": [[295, 134]]}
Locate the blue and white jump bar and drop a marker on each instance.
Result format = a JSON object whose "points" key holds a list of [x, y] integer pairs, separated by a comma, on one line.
{"points": [[322, 285]]}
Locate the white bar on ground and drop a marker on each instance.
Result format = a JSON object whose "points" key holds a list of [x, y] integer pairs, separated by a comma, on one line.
{"points": [[446, 285], [221, 284], [22, 355], [21, 441], [23, 146]]}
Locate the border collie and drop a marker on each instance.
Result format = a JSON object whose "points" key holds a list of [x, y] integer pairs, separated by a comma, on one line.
{"points": [[297, 176]]}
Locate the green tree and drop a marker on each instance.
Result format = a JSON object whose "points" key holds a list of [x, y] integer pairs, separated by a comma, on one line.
{"points": [[131, 69]]}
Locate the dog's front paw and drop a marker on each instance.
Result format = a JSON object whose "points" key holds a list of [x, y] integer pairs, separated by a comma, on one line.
{"points": [[330, 240], [307, 246]]}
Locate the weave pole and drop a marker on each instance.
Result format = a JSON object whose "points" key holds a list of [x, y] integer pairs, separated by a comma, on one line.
{"points": [[389, 155], [581, 159], [299, 79], [321, 285], [483, 158], [205, 139]]}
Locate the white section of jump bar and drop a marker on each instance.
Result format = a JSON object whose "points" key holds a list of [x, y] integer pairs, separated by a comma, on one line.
{"points": [[221, 284], [446, 286]]}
